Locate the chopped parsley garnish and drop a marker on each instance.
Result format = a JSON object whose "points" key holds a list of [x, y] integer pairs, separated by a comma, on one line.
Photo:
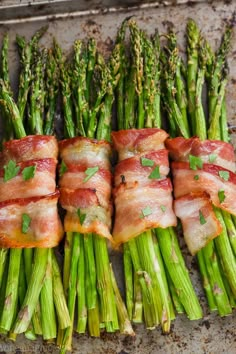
{"points": [[28, 172], [163, 208], [155, 174], [146, 212], [147, 162], [81, 216], [201, 218], [10, 170], [212, 158], [196, 177], [90, 172], [224, 175], [221, 195], [26, 220], [63, 168], [195, 162]]}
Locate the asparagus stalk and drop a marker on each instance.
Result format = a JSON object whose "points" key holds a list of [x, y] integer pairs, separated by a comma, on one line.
{"points": [[65, 83], [3, 261], [217, 72], [82, 306], [11, 294], [193, 36], [52, 73], [47, 305], [128, 271], [137, 313], [125, 325], [26, 51]]}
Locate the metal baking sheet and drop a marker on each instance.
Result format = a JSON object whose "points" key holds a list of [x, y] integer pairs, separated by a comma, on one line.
{"points": [[212, 334]]}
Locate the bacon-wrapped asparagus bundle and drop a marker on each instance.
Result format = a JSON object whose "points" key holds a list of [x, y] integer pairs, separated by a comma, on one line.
{"points": [[155, 271], [204, 170], [29, 218], [85, 186], [143, 193]]}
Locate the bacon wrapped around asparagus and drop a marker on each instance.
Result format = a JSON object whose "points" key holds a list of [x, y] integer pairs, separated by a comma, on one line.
{"points": [[202, 167], [85, 186], [143, 193], [28, 207]]}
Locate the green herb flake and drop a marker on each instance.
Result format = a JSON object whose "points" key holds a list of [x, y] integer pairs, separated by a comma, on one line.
{"points": [[221, 195], [10, 170], [201, 218], [28, 172], [155, 174], [196, 177], [146, 162], [81, 216], [212, 158], [146, 212], [224, 175], [90, 172], [195, 162], [163, 208], [63, 168], [26, 220]]}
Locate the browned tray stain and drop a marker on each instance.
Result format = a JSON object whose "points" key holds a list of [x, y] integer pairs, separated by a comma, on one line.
{"points": [[212, 334]]}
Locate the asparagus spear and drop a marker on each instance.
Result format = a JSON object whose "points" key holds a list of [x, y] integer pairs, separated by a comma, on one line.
{"points": [[193, 36], [26, 51], [52, 84]]}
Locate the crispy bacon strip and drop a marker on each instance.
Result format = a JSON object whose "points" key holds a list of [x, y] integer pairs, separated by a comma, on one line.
{"points": [[142, 194], [100, 182], [87, 200], [30, 147], [132, 170], [222, 192], [211, 151], [45, 228], [42, 183], [198, 219], [132, 203], [86, 151], [85, 213], [131, 142]]}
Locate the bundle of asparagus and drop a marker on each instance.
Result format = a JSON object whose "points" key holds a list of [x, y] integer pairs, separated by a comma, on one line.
{"points": [[155, 271], [217, 259], [88, 92], [32, 297]]}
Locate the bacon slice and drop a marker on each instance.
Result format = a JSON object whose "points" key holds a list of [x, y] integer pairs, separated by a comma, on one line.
{"points": [[88, 197], [199, 222], [131, 142], [132, 170], [30, 147], [42, 183], [130, 206], [45, 229], [85, 202], [208, 180], [85, 151], [211, 151], [100, 182]]}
